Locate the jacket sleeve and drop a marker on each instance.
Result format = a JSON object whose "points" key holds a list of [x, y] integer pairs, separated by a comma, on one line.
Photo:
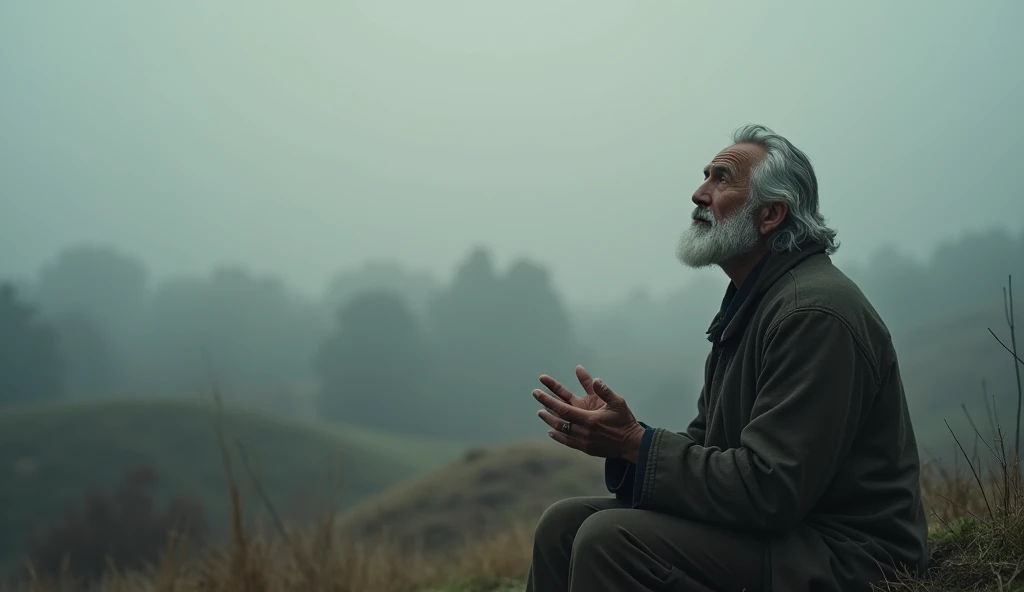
{"points": [[622, 477], [619, 477], [815, 383]]}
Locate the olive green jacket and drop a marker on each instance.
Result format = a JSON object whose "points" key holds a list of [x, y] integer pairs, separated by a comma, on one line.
{"points": [[802, 434]]}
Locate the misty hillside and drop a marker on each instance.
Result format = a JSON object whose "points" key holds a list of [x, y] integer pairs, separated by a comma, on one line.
{"points": [[53, 455], [482, 494]]}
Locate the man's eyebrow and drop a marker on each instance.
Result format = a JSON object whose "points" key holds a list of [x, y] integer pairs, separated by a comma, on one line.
{"points": [[723, 169]]}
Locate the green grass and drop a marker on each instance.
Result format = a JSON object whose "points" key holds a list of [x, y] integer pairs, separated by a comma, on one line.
{"points": [[50, 454]]}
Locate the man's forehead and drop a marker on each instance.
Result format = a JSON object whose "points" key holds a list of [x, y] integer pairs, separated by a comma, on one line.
{"points": [[737, 156]]}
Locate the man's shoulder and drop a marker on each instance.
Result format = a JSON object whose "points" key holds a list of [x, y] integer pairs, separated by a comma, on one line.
{"points": [[817, 284]]}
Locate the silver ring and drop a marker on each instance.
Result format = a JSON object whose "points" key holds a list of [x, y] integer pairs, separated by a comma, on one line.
{"points": [[566, 428]]}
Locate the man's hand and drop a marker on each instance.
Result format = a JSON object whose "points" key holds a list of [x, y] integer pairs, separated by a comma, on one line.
{"points": [[589, 402], [601, 424]]}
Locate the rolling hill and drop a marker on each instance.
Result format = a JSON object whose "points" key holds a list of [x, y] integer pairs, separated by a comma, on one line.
{"points": [[484, 493], [51, 454]]}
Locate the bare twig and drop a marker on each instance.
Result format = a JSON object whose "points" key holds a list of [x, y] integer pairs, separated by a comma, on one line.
{"points": [[1016, 367], [1012, 349], [988, 409], [945, 524], [1007, 348], [258, 486], [239, 561], [978, 435], [1003, 466], [977, 478], [964, 509]]}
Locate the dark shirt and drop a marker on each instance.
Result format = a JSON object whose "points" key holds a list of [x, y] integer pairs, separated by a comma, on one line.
{"points": [[732, 300]]}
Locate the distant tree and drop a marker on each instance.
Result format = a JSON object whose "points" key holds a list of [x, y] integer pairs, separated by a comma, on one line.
{"points": [[124, 527], [374, 368], [253, 331], [415, 288], [970, 272], [98, 280], [886, 280], [493, 336], [89, 354], [31, 368], [961, 275]]}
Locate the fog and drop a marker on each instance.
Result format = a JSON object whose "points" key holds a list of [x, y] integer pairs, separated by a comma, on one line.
{"points": [[303, 140], [371, 226]]}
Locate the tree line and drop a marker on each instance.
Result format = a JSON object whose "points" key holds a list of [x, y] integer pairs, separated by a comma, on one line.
{"points": [[384, 347], [387, 347]]}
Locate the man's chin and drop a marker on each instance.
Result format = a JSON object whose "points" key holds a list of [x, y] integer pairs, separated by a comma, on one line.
{"points": [[694, 260], [691, 250], [697, 263]]}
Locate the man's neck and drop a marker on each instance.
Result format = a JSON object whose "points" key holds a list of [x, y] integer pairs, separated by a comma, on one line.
{"points": [[739, 268]]}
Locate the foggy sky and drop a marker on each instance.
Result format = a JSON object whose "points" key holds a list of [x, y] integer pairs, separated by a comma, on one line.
{"points": [[302, 138]]}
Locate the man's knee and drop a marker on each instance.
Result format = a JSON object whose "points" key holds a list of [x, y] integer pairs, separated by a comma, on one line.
{"points": [[560, 522], [610, 550], [562, 519], [601, 533]]}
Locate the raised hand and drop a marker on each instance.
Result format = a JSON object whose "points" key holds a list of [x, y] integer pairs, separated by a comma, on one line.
{"points": [[607, 431], [590, 401]]}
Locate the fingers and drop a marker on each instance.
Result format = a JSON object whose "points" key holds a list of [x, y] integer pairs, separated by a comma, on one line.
{"points": [[556, 423], [560, 407], [585, 379], [605, 392], [556, 387], [567, 440]]}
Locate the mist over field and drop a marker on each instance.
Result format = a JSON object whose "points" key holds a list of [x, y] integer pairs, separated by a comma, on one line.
{"points": [[372, 225]]}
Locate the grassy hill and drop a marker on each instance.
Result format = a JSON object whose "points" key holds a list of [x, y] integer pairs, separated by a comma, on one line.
{"points": [[483, 493], [50, 455], [480, 507]]}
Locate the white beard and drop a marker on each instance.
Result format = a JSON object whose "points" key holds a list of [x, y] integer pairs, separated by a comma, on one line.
{"points": [[704, 246]]}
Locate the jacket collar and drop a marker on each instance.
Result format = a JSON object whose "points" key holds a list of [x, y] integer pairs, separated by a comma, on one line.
{"points": [[732, 319]]}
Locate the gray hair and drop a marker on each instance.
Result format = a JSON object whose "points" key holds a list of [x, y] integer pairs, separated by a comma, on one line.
{"points": [[786, 175]]}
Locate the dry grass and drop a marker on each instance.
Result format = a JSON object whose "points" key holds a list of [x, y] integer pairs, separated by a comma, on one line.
{"points": [[977, 530], [316, 561], [978, 544]]}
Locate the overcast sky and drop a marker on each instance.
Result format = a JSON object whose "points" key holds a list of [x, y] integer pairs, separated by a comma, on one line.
{"points": [[304, 137]]}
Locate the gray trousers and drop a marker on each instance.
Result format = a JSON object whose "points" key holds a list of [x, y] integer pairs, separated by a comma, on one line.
{"points": [[600, 544]]}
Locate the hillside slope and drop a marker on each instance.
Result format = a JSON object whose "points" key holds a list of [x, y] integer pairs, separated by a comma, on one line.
{"points": [[484, 493], [49, 456]]}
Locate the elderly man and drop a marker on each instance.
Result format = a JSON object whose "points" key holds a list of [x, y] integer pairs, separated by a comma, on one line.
{"points": [[800, 470]]}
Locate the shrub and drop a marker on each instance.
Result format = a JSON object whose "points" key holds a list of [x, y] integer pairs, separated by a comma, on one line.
{"points": [[122, 528]]}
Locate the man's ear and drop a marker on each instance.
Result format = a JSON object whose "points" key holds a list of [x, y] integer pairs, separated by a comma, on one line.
{"points": [[772, 216]]}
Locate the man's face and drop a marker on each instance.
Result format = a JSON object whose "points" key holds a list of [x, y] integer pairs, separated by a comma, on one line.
{"points": [[722, 226]]}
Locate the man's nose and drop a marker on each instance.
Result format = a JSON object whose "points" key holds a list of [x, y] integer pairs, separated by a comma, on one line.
{"points": [[702, 197]]}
